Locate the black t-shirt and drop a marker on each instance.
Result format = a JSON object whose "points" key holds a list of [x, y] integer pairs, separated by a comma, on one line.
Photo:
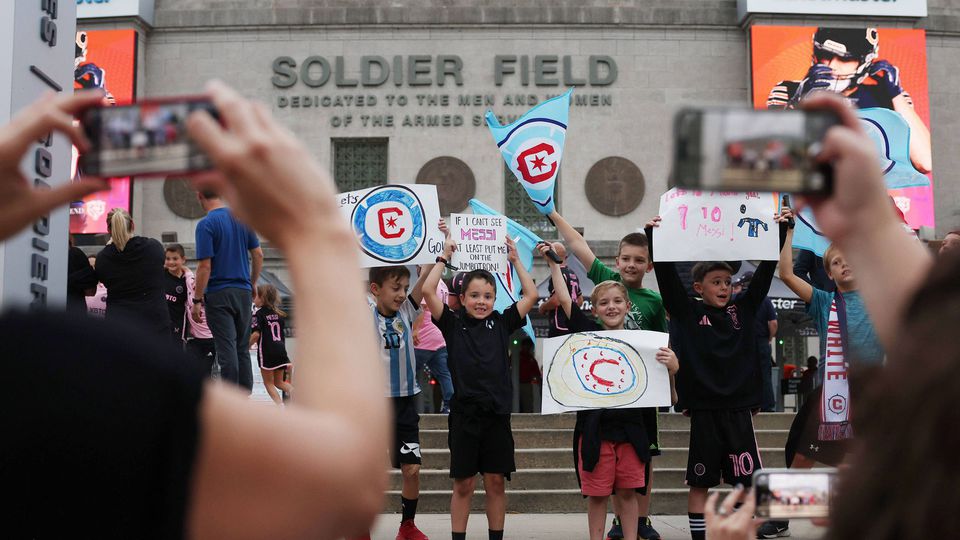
{"points": [[271, 326], [719, 358], [477, 357], [175, 291], [100, 429], [80, 277], [134, 281], [558, 319]]}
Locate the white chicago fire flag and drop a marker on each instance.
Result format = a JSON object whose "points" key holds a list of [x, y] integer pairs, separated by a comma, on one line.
{"points": [[533, 146]]}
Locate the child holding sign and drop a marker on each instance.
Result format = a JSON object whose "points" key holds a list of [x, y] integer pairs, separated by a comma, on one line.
{"points": [[719, 381], [646, 313], [477, 337], [613, 450]]}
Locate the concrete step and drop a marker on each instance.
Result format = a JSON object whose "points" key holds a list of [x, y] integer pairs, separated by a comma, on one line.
{"points": [[663, 501], [540, 479], [562, 458], [563, 438], [667, 421]]}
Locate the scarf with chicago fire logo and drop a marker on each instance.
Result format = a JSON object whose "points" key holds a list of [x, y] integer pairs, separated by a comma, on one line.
{"points": [[835, 395], [533, 146]]}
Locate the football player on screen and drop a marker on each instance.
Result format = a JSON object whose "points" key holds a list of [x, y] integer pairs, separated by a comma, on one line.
{"points": [[846, 61]]}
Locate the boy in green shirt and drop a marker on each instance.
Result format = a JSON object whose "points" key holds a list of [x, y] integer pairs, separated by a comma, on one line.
{"points": [[646, 313]]}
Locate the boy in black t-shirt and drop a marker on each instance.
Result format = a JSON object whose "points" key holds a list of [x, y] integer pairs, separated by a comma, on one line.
{"points": [[611, 446], [477, 337], [175, 290], [719, 381]]}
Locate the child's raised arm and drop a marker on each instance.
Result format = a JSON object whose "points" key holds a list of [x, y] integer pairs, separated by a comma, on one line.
{"points": [[429, 285], [574, 240], [796, 284], [560, 290], [417, 292], [529, 288], [672, 291]]}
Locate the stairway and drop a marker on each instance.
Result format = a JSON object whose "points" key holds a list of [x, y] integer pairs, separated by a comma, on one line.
{"points": [[545, 481]]}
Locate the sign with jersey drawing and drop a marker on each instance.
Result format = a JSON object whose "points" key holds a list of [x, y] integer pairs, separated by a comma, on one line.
{"points": [[882, 71], [394, 224], [481, 242], [604, 370], [717, 226]]}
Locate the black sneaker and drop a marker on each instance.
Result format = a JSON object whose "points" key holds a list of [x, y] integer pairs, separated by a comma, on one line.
{"points": [[616, 531], [645, 530], [774, 529]]}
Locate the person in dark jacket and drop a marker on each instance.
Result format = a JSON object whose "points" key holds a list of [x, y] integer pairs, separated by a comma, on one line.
{"points": [[81, 280], [131, 268]]}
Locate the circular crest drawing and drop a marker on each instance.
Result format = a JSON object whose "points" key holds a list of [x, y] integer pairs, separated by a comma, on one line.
{"points": [[389, 224], [591, 370]]}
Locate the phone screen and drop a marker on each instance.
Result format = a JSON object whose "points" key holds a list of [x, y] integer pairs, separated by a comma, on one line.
{"points": [[738, 149], [143, 139], [793, 494]]}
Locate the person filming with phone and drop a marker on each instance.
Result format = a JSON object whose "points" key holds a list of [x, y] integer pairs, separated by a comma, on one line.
{"points": [[111, 431]]}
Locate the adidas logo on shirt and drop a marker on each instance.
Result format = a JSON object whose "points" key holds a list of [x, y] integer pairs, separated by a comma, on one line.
{"points": [[705, 321]]}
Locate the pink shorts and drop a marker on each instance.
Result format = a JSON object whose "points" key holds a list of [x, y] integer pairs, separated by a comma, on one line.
{"points": [[618, 467]]}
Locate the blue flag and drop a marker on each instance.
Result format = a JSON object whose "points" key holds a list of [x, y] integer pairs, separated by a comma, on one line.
{"points": [[533, 146], [508, 285], [807, 236], [891, 134]]}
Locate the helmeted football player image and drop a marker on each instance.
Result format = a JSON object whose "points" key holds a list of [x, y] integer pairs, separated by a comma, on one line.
{"points": [[846, 61], [89, 75]]}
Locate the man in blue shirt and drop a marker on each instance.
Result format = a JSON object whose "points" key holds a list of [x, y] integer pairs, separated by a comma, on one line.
{"points": [[224, 284]]}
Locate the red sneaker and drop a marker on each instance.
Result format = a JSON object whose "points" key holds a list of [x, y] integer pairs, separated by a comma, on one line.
{"points": [[409, 531]]}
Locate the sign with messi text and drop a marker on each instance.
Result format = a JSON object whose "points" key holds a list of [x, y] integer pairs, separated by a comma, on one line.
{"points": [[394, 224], [481, 242], [716, 226]]}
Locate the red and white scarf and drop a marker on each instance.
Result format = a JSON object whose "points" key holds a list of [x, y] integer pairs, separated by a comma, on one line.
{"points": [[835, 392]]}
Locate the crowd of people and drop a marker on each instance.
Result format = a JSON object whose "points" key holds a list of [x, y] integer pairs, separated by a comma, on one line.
{"points": [[139, 429]]}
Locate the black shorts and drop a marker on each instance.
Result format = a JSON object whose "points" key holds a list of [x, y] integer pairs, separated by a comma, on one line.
{"points": [[723, 447], [480, 444], [406, 428], [804, 437], [651, 425]]}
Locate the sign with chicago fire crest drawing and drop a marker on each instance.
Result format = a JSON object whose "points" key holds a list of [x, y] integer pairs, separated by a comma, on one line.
{"points": [[533, 146], [394, 224], [603, 370]]}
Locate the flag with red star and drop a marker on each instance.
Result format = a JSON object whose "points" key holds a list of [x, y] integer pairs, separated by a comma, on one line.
{"points": [[533, 146]]}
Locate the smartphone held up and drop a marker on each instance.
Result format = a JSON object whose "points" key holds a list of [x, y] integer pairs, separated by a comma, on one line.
{"points": [[146, 138], [793, 493], [741, 149]]}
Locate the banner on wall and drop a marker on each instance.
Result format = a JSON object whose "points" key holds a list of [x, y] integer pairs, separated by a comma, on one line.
{"points": [[104, 59], [882, 68]]}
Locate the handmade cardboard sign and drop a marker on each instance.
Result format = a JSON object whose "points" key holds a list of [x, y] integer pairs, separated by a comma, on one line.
{"points": [[604, 370], [717, 226], [394, 224], [481, 242]]}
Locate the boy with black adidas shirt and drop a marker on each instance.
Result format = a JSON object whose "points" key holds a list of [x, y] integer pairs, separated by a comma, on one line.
{"points": [[477, 336], [719, 382]]}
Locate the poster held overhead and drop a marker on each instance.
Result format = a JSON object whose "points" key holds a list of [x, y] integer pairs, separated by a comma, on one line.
{"points": [[481, 242], [717, 226], [394, 224], [532, 147], [604, 370]]}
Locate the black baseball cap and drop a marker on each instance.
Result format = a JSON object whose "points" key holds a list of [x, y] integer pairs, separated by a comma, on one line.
{"points": [[456, 283]]}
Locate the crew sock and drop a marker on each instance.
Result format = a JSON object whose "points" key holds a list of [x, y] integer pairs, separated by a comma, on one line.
{"points": [[495, 535], [458, 536], [698, 526], [408, 507]]}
